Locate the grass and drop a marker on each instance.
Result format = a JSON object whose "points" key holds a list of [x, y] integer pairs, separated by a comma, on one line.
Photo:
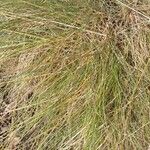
{"points": [[74, 74]]}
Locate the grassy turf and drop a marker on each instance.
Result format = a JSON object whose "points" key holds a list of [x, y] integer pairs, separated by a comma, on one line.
{"points": [[74, 74]]}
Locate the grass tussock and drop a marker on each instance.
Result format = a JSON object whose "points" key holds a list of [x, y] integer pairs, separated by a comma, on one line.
{"points": [[74, 74]]}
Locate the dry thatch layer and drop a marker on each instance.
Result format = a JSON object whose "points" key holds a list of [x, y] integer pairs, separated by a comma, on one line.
{"points": [[74, 74]]}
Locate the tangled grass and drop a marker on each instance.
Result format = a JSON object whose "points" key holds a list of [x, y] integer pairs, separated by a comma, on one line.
{"points": [[74, 74]]}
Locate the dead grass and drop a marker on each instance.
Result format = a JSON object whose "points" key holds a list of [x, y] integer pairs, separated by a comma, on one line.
{"points": [[75, 74]]}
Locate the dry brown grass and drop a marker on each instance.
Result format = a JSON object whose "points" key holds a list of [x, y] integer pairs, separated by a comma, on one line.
{"points": [[75, 75]]}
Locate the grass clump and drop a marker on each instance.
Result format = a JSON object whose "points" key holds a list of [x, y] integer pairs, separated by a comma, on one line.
{"points": [[74, 74]]}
